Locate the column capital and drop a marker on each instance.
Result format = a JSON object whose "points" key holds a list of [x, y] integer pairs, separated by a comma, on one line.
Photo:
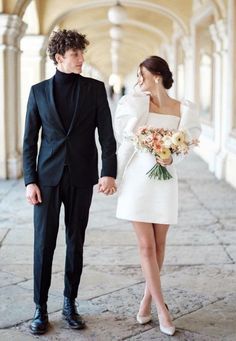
{"points": [[215, 37], [187, 45], [12, 28], [223, 32], [219, 35]]}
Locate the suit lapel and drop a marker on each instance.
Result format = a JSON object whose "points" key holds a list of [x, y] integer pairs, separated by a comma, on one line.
{"points": [[50, 98]]}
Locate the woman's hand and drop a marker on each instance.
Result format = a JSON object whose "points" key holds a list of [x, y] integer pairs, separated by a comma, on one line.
{"points": [[107, 185], [164, 162]]}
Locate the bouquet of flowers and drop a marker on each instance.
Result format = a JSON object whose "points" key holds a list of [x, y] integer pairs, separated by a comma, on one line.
{"points": [[162, 143]]}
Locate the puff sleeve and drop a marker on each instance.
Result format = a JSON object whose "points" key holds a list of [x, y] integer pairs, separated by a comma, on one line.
{"points": [[125, 120], [189, 122]]}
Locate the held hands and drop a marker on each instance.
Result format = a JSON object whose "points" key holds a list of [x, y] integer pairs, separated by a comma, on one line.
{"points": [[107, 185], [33, 194]]}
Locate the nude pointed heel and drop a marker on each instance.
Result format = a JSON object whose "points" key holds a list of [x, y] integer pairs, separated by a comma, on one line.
{"points": [[143, 319]]}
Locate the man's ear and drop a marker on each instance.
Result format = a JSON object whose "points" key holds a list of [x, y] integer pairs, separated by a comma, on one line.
{"points": [[58, 58]]}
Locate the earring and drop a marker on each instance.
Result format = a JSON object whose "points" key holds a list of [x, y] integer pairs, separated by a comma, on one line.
{"points": [[156, 80]]}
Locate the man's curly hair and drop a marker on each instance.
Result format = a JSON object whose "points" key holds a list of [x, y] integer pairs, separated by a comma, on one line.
{"points": [[64, 40]]}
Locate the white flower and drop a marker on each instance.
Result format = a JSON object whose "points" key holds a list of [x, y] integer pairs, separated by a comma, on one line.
{"points": [[167, 142], [178, 138]]}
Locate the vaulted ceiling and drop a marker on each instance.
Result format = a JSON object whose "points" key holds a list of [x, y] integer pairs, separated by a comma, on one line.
{"points": [[149, 25]]}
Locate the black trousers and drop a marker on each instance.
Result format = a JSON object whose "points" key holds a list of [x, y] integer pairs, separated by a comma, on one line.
{"points": [[77, 202]]}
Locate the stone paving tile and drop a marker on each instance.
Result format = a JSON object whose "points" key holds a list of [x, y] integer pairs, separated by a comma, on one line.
{"points": [[21, 300], [17, 306], [231, 250], [178, 235], [111, 255], [198, 277], [125, 302], [228, 223], [16, 254], [113, 238], [226, 237], [23, 254], [15, 335], [195, 255], [100, 203], [104, 219], [7, 278], [217, 319], [198, 217], [26, 270], [175, 255], [102, 326], [3, 233], [208, 279], [223, 214], [119, 225], [23, 236], [5, 188], [94, 283], [180, 335]]}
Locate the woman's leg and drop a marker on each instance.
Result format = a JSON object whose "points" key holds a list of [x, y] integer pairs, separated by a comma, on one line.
{"points": [[160, 232], [147, 247]]}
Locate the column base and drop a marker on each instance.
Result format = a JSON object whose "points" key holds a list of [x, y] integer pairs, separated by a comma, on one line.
{"points": [[220, 164], [14, 167]]}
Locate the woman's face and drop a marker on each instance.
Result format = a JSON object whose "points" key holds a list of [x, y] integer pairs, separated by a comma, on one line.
{"points": [[146, 79]]}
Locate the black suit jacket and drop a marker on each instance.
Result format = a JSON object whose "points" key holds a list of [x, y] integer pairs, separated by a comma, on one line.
{"points": [[77, 146]]}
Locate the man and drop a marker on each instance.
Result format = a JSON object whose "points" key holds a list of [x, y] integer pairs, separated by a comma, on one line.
{"points": [[67, 108]]}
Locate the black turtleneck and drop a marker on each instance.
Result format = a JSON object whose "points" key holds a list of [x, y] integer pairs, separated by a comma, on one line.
{"points": [[64, 91]]}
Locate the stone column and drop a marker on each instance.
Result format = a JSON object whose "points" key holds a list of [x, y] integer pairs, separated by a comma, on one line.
{"points": [[11, 30], [231, 95], [173, 58], [225, 115], [189, 76], [219, 37], [33, 66]]}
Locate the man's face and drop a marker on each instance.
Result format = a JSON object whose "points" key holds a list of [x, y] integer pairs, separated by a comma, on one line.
{"points": [[71, 62]]}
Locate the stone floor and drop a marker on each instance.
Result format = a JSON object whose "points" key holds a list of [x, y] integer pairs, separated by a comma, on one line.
{"points": [[199, 274]]}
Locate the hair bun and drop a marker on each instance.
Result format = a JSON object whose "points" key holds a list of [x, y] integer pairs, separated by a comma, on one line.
{"points": [[167, 79]]}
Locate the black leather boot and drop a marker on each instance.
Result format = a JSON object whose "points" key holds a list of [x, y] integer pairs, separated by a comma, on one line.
{"points": [[71, 315], [39, 324]]}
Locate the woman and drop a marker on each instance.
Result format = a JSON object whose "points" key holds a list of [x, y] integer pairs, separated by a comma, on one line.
{"points": [[151, 204]]}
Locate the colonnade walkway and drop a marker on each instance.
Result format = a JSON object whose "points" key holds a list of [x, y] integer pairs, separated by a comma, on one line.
{"points": [[198, 277]]}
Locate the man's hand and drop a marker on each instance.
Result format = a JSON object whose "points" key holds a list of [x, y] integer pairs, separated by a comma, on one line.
{"points": [[107, 185], [33, 194]]}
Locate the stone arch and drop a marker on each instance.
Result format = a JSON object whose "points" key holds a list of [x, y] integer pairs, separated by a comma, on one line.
{"points": [[135, 23], [132, 3], [21, 6]]}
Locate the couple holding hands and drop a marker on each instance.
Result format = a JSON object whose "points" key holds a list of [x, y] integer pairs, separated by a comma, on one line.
{"points": [[66, 110]]}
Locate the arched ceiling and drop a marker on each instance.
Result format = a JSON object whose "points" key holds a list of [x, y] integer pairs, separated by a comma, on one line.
{"points": [[150, 24]]}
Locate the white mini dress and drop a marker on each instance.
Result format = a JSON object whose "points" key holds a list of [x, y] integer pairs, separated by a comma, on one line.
{"points": [[148, 200]]}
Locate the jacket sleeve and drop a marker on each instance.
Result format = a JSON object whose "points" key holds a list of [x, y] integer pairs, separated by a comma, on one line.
{"points": [[106, 135], [189, 122], [32, 126]]}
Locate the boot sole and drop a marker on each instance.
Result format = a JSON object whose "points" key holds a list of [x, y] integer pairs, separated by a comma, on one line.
{"points": [[72, 327], [38, 332]]}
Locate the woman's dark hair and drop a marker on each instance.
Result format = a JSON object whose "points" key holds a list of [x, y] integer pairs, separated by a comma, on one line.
{"points": [[64, 40], [158, 66]]}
